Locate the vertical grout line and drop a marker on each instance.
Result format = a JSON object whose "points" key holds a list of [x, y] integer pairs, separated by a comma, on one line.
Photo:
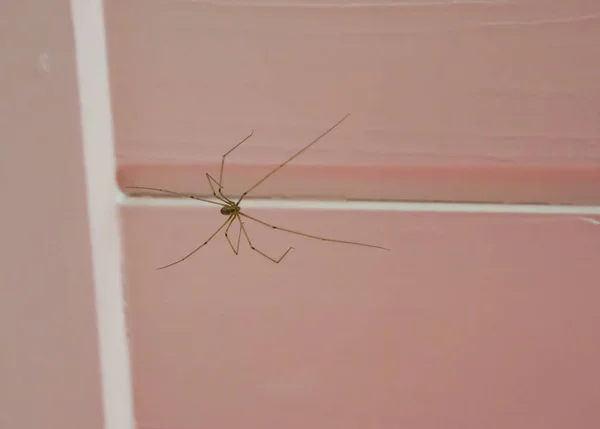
{"points": [[99, 160]]}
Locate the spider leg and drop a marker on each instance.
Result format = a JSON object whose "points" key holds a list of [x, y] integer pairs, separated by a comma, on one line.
{"points": [[199, 247], [175, 193], [292, 157], [222, 197], [235, 249], [257, 250], [220, 182], [316, 237]]}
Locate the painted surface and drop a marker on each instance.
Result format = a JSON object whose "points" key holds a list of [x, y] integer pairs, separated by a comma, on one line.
{"points": [[444, 95], [103, 219], [472, 320], [49, 359]]}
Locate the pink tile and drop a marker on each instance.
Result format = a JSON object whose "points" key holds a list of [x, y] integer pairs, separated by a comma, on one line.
{"points": [[472, 320]]}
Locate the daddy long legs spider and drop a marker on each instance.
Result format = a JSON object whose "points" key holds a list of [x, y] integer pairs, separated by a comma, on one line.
{"points": [[233, 210]]}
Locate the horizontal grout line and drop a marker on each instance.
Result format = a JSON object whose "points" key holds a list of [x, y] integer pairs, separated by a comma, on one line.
{"points": [[350, 5], [147, 201]]}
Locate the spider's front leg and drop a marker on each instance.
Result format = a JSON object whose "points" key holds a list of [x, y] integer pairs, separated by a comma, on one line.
{"points": [[220, 196], [219, 183]]}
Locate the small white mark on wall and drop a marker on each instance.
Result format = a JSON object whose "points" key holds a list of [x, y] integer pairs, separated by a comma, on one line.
{"points": [[43, 63], [590, 220]]}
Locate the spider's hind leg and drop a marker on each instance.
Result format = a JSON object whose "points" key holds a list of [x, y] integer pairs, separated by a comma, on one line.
{"points": [[235, 249], [243, 228]]}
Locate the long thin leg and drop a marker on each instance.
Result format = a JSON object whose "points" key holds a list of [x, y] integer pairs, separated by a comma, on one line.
{"points": [[175, 193], [222, 197], [235, 249], [255, 249], [292, 157], [311, 236], [225, 156], [197, 248]]}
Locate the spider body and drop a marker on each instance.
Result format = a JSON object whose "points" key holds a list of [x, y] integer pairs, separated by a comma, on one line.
{"points": [[230, 209], [234, 212]]}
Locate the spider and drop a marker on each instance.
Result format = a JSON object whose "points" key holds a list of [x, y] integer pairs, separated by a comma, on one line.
{"points": [[233, 210]]}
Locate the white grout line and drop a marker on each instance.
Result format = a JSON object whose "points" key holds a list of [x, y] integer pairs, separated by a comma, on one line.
{"points": [[345, 5], [147, 201], [89, 32]]}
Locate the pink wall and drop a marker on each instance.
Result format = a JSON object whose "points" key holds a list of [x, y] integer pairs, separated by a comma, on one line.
{"points": [[49, 362], [469, 101], [478, 316], [63, 354], [474, 319]]}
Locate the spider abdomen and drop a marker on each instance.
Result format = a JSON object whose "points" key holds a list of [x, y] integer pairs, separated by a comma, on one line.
{"points": [[229, 210]]}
